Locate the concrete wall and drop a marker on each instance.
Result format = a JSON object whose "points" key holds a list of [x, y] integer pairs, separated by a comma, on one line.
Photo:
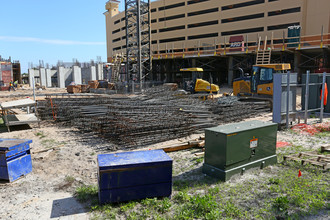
{"points": [[34, 76], [88, 74], [64, 76]]}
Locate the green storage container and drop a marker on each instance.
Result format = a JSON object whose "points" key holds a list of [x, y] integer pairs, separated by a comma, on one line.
{"points": [[233, 148]]}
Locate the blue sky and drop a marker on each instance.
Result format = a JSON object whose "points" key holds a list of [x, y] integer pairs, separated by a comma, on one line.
{"points": [[49, 30]]}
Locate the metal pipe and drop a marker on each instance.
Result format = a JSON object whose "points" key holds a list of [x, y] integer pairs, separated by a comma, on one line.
{"points": [[139, 58], [34, 88], [307, 95], [287, 99], [322, 96]]}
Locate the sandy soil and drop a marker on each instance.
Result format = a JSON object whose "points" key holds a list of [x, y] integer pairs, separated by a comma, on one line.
{"points": [[47, 192]]}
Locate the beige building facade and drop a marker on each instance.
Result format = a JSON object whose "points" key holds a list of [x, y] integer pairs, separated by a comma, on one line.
{"points": [[187, 24]]}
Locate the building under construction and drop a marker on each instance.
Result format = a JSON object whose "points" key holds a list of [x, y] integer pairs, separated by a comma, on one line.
{"points": [[221, 36]]}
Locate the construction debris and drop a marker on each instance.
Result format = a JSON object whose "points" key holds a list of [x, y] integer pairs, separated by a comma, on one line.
{"points": [[325, 148], [312, 158]]}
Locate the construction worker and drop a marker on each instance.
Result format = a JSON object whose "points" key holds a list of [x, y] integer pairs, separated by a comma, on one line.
{"points": [[15, 84], [11, 86]]}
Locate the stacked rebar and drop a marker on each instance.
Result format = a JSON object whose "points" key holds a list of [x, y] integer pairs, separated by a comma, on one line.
{"points": [[157, 115]]}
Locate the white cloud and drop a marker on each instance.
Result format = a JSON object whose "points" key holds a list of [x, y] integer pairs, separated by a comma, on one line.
{"points": [[48, 41]]}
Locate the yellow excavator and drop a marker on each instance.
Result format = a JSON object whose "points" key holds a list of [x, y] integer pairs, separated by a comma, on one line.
{"points": [[259, 84], [198, 84]]}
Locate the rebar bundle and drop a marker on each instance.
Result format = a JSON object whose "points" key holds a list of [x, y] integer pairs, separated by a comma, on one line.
{"points": [[157, 115]]}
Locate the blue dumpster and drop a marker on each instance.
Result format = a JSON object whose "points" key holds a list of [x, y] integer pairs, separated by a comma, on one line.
{"points": [[134, 175], [15, 158]]}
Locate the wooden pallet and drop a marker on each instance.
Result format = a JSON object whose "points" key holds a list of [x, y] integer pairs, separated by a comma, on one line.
{"points": [[325, 148], [312, 158]]}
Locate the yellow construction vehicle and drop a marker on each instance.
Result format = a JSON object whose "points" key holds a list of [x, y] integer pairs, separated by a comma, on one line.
{"points": [[198, 84], [260, 83]]}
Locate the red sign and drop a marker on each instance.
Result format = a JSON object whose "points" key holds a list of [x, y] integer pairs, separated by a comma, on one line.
{"points": [[236, 43]]}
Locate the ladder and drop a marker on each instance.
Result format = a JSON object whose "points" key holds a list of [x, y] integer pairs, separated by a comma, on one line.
{"points": [[263, 56], [116, 68]]}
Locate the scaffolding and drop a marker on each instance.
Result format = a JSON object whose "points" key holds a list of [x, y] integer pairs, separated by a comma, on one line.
{"points": [[138, 40]]}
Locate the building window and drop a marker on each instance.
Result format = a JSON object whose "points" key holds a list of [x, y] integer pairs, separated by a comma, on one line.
{"points": [[203, 12], [122, 19], [203, 36], [116, 22], [281, 26], [172, 28], [115, 40], [153, 31], [243, 4], [207, 23], [154, 42], [272, 0], [116, 31], [196, 1], [116, 48], [242, 18], [284, 11], [172, 39], [242, 31], [153, 20], [171, 6], [153, 10], [123, 28], [172, 17]]}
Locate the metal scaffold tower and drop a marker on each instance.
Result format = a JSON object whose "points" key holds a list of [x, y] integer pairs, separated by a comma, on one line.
{"points": [[138, 41]]}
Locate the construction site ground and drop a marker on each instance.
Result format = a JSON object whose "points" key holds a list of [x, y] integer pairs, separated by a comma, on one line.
{"points": [[65, 159]]}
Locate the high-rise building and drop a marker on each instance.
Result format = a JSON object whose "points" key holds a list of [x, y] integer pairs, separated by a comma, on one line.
{"points": [[190, 25]]}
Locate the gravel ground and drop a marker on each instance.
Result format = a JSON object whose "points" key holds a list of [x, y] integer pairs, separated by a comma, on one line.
{"points": [[47, 192]]}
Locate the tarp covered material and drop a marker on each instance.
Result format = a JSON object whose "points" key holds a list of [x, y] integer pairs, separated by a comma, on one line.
{"points": [[17, 103], [312, 129]]}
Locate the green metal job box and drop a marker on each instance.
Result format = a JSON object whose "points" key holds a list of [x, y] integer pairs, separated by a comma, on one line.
{"points": [[233, 148]]}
